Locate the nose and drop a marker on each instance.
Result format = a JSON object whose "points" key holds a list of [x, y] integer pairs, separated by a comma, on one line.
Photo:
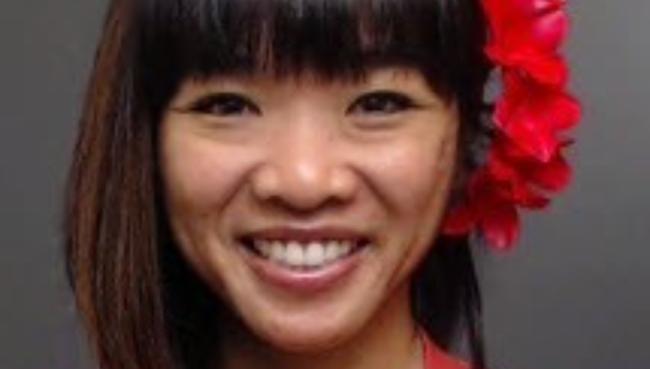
{"points": [[303, 171]]}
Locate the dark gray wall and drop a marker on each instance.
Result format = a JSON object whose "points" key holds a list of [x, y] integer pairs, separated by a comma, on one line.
{"points": [[46, 48], [573, 295]]}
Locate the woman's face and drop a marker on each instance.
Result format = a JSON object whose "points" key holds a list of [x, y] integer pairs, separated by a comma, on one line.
{"points": [[304, 204]]}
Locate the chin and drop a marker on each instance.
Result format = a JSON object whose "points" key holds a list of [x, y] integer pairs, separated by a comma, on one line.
{"points": [[309, 332], [308, 340]]}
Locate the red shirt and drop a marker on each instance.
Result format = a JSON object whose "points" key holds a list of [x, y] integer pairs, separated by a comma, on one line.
{"points": [[435, 358]]}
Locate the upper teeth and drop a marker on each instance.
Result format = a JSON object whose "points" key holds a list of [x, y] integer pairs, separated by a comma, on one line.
{"points": [[299, 254]]}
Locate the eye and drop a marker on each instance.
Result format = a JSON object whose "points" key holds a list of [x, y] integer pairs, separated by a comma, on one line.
{"points": [[381, 102], [225, 104]]}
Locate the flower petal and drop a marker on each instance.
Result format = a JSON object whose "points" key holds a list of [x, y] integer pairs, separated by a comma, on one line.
{"points": [[501, 227], [552, 176]]}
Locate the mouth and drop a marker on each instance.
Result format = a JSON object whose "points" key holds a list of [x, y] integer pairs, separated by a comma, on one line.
{"points": [[303, 256], [304, 260]]}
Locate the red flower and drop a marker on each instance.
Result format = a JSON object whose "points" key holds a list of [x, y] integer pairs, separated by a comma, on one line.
{"points": [[525, 162]]}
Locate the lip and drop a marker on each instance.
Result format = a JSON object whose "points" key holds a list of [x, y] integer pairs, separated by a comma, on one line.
{"points": [[304, 281]]}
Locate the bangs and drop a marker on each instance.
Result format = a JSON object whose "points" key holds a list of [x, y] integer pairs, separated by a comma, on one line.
{"points": [[332, 39]]}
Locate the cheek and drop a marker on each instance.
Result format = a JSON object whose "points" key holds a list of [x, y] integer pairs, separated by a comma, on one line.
{"points": [[200, 177], [412, 175]]}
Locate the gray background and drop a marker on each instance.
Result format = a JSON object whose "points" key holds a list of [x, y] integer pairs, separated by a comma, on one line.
{"points": [[573, 295]]}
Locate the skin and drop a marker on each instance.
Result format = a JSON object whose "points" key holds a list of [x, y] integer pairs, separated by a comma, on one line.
{"points": [[306, 152]]}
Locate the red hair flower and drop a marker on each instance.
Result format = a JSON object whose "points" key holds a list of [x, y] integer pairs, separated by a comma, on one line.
{"points": [[525, 162]]}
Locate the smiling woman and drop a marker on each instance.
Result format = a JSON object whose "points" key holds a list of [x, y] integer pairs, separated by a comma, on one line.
{"points": [[307, 199], [263, 184]]}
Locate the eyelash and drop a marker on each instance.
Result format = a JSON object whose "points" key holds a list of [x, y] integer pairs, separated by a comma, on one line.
{"points": [[373, 103], [225, 104], [389, 103]]}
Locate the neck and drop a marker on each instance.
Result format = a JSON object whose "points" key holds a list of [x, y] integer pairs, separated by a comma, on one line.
{"points": [[389, 340]]}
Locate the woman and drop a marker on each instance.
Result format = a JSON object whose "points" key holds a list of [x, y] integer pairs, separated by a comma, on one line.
{"points": [[267, 184]]}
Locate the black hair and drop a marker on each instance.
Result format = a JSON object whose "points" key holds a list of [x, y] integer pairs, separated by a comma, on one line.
{"points": [[148, 48], [335, 39]]}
